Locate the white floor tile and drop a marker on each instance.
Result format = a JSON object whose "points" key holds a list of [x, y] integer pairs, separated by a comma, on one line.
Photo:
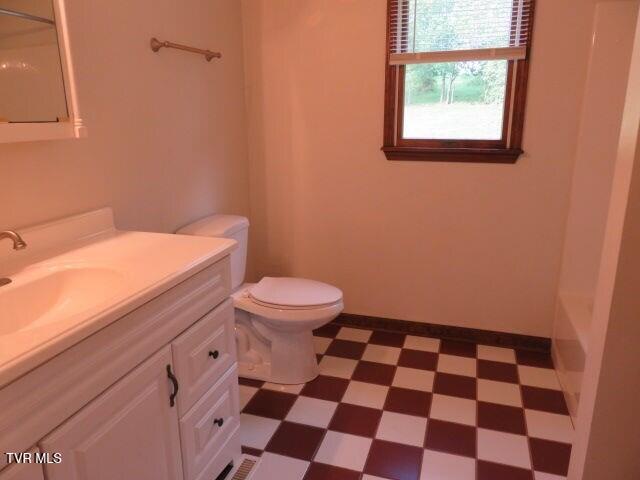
{"points": [[405, 429], [453, 409], [496, 354], [457, 365], [547, 476], [365, 394], [337, 367], [371, 477], [499, 392], [381, 354], [277, 387], [504, 448], [246, 394], [538, 377], [414, 379], [273, 466], [549, 426], [354, 334], [312, 411], [422, 343], [320, 344], [344, 450], [256, 431], [442, 466]]}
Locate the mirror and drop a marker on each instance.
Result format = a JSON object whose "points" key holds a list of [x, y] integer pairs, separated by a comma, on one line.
{"points": [[32, 85]]}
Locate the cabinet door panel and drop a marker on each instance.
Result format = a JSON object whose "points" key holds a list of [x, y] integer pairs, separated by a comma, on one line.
{"points": [[209, 425], [129, 432], [203, 354]]}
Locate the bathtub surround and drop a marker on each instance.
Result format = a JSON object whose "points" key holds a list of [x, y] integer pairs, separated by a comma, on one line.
{"points": [[475, 246], [166, 139], [607, 441], [613, 30]]}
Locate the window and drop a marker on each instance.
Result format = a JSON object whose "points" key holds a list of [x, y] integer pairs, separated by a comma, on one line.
{"points": [[456, 79]]}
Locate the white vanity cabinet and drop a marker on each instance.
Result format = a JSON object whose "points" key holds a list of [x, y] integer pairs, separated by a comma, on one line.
{"points": [[130, 431], [153, 396]]}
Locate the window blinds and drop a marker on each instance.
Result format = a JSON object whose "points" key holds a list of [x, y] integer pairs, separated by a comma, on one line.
{"points": [[429, 31]]}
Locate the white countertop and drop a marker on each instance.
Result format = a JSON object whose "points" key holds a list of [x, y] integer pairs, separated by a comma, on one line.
{"points": [[81, 274]]}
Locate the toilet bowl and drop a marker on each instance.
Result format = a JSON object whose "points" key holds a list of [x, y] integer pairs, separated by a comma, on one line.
{"points": [[274, 318]]}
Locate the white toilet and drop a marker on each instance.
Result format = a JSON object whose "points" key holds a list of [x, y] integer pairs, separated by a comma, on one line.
{"points": [[274, 317]]}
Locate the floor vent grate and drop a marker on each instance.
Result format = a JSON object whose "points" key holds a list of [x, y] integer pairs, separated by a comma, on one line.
{"points": [[245, 469]]}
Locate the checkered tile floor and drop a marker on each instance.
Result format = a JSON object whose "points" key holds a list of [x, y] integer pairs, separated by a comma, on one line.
{"points": [[399, 407]]}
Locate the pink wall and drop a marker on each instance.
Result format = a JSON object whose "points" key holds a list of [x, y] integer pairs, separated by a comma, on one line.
{"points": [[167, 137], [471, 245]]}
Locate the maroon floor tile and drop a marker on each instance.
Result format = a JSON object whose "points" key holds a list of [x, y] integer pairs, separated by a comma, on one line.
{"points": [[390, 339], [267, 403], [249, 382], [455, 385], [326, 388], [498, 371], [355, 420], [495, 471], [372, 372], [451, 438], [296, 440], [502, 418], [410, 402], [318, 357], [320, 471], [462, 349], [393, 461], [251, 451], [329, 331], [417, 359], [550, 457], [346, 349], [544, 399], [534, 359]]}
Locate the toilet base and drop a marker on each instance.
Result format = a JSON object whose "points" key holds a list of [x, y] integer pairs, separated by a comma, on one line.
{"points": [[272, 356], [254, 372], [263, 373]]}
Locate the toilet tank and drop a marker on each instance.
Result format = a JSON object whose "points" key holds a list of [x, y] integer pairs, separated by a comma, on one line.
{"points": [[225, 226]]}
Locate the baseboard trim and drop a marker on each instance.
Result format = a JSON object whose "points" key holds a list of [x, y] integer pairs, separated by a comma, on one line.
{"points": [[448, 332]]}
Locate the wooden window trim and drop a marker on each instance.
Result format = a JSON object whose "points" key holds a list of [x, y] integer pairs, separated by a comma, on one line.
{"points": [[506, 150]]}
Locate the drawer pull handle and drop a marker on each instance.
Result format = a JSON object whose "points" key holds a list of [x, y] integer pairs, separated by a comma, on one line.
{"points": [[174, 382], [219, 421], [215, 354]]}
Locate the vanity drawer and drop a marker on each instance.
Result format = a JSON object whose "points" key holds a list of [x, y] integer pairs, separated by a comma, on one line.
{"points": [[203, 353], [210, 429]]}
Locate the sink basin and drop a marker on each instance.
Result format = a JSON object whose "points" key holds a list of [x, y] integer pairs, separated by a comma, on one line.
{"points": [[42, 295]]}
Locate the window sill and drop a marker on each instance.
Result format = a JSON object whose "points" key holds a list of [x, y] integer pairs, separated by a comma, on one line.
{"points": [[461, 155]]}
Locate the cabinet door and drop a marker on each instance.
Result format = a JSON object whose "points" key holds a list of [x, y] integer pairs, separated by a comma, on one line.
{"points": [[129, 432], [24, 471]]}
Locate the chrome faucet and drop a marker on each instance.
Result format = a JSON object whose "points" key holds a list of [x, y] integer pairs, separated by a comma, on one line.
{"points": [[18, 242]]}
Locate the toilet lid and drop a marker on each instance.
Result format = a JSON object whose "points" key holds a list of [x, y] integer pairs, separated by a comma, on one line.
{"points": [[294, 292]]}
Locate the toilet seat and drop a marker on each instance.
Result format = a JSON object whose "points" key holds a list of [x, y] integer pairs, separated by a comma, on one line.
{"points": [[294, 293], [283, 317]]}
